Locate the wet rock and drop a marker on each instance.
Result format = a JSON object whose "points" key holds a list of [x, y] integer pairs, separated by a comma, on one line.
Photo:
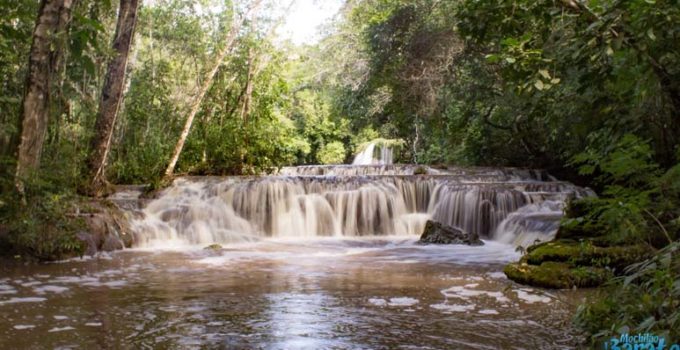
{"points": [[557, 275], [213, 246], [91, 246], [112, 243], [438, 233], [107, 227], [97, 229]]}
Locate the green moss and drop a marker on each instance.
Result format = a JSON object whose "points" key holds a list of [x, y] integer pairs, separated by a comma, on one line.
{"points": [[420, 170], [587, 254], [213, 246], [557, 275]]}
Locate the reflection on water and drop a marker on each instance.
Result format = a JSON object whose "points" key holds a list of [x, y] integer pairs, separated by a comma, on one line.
{"points": [[335, 294]]}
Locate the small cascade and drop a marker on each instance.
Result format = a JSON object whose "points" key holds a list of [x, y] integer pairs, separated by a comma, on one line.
{"points": [[510, 205], [367, 156], [530, 223]]}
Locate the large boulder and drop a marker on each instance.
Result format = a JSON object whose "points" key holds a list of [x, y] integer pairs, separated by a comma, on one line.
{"points": [[438, 233], [107, 227]]}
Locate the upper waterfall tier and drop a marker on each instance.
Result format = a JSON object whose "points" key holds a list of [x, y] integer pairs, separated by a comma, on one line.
{"points": [[465, 173], [375, 153], [513, 205]]}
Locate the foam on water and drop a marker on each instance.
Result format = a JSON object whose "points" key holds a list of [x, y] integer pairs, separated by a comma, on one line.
{"points": [[23, 326], [60, 329], [50, 289], [488, 312], [22, 300], [403, 301], [453, 307], [529, 297]]}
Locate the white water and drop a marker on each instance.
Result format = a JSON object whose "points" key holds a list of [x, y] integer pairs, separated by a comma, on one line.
{"points": [[366, 157], [508, 205]]}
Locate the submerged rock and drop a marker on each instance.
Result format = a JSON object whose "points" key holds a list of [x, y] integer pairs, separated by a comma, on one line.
{"points": [[213, 246], [111, 243], [438, 233]]}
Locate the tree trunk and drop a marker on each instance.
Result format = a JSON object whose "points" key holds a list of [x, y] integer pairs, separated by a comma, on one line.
{"points": [[53, 19], [245, 110], [112, 94], [229, 41]]}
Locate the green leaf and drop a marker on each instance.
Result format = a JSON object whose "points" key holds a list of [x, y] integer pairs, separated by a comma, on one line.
{"points": [[510, 42], [493, 58], [544, 73], [539, 85], [650, 34]]}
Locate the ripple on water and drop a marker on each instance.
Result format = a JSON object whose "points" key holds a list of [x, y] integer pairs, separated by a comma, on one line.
{"points": [[7, 289]]}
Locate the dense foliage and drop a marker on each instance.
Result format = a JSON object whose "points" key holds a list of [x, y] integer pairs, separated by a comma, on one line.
{"points": [[589, 90]]}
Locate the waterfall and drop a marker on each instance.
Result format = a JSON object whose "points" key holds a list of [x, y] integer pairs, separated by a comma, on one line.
{"points": [[367, 156], [510, 205]]}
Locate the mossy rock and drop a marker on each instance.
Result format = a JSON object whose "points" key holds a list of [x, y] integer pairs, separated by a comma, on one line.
{"points": [[213, 246], [587, 254], [557, 275], [420, 170], [580, 228]]}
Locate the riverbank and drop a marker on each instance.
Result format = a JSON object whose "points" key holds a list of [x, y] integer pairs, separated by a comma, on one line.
{"points": [[58, 227]]}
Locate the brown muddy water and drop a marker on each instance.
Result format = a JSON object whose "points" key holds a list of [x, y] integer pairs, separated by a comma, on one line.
{"points": [[387, 293]]}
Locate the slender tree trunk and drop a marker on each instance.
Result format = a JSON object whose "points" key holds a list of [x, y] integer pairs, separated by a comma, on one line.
{"points": [[255, 64], [245, 110], [112, 94], [53, 19], [195, 106]]}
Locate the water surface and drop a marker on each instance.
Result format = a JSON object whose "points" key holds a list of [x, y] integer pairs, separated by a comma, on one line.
{"points": [[368, 293]]}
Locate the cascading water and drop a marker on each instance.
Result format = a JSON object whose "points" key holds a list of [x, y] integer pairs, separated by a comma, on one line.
{"points": [[510, 205], [367, 156]]}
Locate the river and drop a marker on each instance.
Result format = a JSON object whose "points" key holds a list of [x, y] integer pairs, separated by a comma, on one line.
{"points": [[312, 258]]}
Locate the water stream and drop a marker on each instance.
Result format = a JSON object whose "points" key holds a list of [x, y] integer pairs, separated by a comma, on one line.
{"points": [[316, 257]]}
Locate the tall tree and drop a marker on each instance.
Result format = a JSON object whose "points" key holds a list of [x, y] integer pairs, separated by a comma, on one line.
{"points": [[196, 104], [112, 93], [54, 17]]}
